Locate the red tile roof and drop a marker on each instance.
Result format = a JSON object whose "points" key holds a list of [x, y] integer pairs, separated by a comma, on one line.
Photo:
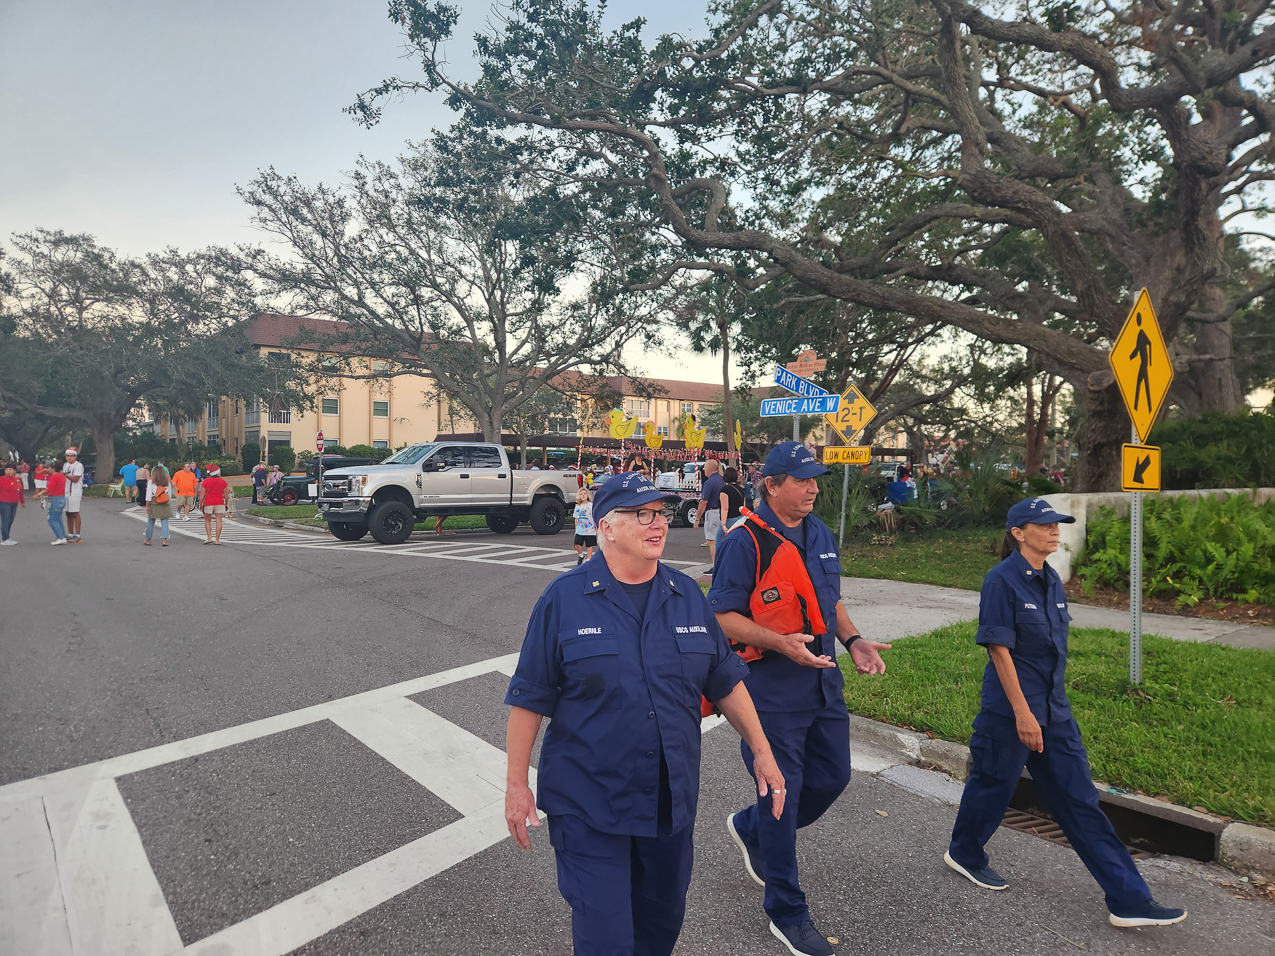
{"points": [[272, 329]]}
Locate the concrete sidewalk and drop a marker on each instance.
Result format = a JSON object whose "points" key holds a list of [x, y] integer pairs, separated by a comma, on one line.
{"points": [[889, 610]]}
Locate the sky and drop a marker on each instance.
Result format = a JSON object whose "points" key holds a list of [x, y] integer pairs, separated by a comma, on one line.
{"points": [[134, 120]]}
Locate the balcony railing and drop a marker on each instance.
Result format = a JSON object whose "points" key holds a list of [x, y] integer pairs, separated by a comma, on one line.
{"points": [[283, 417]]}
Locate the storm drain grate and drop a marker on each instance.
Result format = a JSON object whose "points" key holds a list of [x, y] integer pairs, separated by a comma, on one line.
{"points": [[1047, 829]]}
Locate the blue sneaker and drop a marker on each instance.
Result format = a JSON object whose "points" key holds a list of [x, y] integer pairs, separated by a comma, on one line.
{"points": [[1147, 913], [984, 876], [803, 939], [752, 856]]}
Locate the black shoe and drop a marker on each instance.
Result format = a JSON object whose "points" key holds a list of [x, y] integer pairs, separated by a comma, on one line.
{"points": [[1147, 913], [984, 876], [579, 560], [803, 939], [752, 856]]}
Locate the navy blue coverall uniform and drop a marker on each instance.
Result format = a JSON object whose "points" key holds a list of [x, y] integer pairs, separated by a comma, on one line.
{"points": [[620, 673], [802, 709], [1025, 610]]}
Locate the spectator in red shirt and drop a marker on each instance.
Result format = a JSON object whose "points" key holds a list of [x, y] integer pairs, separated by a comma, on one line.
{"points": [[212, 501], [55, 491], [11, 495]]}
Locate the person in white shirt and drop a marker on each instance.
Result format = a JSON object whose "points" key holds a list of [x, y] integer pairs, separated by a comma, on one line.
{"points": [[74, 471]]}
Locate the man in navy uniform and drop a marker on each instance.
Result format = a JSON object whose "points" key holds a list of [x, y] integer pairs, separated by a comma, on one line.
{"points": [[795, 684], [618, 653], [1026, 721]]}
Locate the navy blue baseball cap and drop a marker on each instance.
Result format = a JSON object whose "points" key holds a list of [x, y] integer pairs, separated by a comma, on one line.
{"points": [[792, 458], [1035, 511], [627, 490]]}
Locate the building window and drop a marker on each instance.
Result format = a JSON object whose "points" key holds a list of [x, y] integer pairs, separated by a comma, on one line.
{"points": [[380, 366], [661, 429], [380, 444], [191, 424], [252, 411], [214, 414], [190, 441], [380, 409], [278, 358], [330, 364], [331, 406], [281, 416], [688, 408], [638, 407], [562, 426]]}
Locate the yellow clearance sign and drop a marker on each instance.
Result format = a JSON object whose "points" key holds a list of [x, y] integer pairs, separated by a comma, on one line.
{"points": [[855, 412], [848, 455], [1140, 360], [1140, 468]]}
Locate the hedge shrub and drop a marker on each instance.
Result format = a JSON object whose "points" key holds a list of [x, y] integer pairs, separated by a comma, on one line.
{"points": [[1218, 451]]}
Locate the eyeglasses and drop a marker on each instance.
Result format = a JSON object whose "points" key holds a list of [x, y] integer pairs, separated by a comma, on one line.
{"points": [[644, 515]]}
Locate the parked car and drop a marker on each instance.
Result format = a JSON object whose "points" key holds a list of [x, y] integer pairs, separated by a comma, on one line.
{"points": [[295, 489], [436, 479]]}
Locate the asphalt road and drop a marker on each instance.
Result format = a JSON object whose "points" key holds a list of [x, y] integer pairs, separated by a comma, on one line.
{"points": [[291, 744]]}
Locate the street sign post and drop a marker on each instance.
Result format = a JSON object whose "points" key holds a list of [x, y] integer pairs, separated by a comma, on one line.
{"points": [[1144, 371], [855, 413], [848, 455], [797, 405], [1140, 468], [785, 377]]}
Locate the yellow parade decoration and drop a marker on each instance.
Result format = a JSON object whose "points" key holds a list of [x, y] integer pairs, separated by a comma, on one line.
{"points": [[620, 426], [694, 436], [652, 439], [739, 436]]}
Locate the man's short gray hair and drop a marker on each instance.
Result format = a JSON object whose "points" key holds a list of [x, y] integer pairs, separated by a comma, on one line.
{"points": [[777, 479]]}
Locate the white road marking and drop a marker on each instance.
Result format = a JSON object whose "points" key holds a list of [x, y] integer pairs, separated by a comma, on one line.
{"points": [[501, 553], [29, 882]]}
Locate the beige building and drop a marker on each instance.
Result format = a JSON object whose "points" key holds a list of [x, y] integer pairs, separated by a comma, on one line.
{"points": [[405, 409]]}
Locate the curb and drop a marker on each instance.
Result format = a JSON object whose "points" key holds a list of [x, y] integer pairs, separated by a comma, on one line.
{"points": [[1139, 819], [277, 523]]}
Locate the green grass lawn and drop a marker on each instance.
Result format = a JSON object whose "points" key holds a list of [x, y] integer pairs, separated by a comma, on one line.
{"points": [[954, 559], [1200, 729]]}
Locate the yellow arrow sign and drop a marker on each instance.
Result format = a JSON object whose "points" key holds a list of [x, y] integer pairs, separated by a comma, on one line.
{"points": [[1140, 360], [855, 413], [847, 455], [1140, 468]]}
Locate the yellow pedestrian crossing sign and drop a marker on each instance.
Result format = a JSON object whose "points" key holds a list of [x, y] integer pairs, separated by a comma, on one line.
{"points": [[1140, 360], [1140, 468], [854, 413]]}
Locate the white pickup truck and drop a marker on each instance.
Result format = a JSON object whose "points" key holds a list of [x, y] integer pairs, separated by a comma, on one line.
{"points": [[438, 479]]}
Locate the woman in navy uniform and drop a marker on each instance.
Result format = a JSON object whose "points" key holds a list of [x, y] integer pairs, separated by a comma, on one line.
{"points": [[1026, 721], [618, 653], [796, 687]]}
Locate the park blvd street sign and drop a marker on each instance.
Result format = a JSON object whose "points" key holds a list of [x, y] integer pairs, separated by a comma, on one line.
{"points": [[855, 413], [1140, 468], [799, 405], [847, 455], [795, 383], [1140, 360]]}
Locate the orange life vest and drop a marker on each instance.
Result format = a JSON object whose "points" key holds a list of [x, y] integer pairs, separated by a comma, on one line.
{"points": [[783, 598]]}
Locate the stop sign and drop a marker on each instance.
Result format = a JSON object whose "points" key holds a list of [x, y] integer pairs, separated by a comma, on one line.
{"points": [[318, 441]]}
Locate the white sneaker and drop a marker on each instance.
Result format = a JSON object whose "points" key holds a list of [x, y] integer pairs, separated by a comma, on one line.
{"points": [[7, 542], [58, 541]]}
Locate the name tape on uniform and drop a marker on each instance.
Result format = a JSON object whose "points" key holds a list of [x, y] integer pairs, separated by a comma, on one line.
{"points": [[848, 455]]}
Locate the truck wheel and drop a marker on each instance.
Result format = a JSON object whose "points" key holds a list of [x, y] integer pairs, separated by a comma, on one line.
{"points": [[547, 514], [688, 513], [391, 522], [289, 497], [502, 524], [347, 531]]}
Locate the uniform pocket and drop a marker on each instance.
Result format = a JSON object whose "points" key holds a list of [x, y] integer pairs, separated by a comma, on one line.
{"points": [[696, 652], [579, 648], [591, 663]]}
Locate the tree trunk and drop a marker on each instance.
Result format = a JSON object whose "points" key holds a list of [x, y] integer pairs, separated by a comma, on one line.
{"points": [[1032, 428], [1105, 428], [920, 452], [723, 331], [522, 446], [104, 444]]}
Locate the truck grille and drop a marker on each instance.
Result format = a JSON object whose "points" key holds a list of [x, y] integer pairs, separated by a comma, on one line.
{"points": [[336, 487]]}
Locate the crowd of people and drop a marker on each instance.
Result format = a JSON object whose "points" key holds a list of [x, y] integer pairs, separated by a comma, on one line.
{"points": [[58, 487]]}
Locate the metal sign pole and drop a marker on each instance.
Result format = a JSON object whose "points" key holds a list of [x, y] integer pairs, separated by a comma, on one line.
{"points": [[1135, 584], [845, 490], [796, 428]]}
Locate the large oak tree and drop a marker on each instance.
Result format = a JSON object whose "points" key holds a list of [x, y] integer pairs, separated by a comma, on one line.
{"points": [[1016, 176]]}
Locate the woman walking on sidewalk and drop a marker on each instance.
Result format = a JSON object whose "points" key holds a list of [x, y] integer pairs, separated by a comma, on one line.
{"points": [[159, 505], [55, 492], [1026, 721], [11, 495]]}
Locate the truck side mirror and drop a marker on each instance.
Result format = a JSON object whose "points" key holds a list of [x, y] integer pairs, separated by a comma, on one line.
{"points": [[431, 464]]}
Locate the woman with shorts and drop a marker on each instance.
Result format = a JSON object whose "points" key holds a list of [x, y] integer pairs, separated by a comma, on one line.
{"points": [[212, 502], [586, 531]]}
